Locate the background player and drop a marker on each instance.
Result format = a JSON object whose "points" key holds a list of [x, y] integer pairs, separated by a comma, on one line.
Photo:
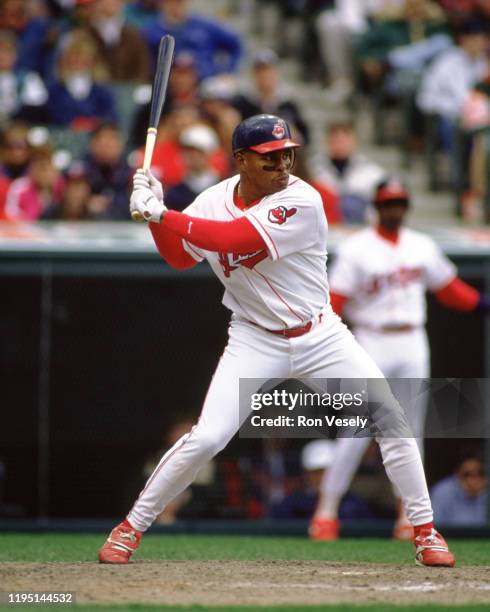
{"points": [[264, 233], [378, 282]]}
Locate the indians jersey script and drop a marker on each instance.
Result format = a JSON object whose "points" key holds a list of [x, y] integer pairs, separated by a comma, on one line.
{"points": [[286, 285], [385, 281]]}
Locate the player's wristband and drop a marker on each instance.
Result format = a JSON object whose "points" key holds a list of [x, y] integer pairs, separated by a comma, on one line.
{"points": [[483, 304]]}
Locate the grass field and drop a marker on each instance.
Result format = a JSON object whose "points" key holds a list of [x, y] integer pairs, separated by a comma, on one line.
{"points": [[192, 556]]}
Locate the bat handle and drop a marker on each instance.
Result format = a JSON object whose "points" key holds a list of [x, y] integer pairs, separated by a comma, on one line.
{"points": [[151, 136]]}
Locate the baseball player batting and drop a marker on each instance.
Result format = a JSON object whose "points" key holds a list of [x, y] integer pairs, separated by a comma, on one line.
{"points": [[264, 234], [378, 282]]}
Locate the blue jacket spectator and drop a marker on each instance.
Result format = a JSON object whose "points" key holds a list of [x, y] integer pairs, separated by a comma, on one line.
{"points": [[32, 34], [214, 48], [461, 499], [108, 174], [77, 98]]}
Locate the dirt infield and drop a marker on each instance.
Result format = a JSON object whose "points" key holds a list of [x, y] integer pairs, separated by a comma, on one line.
{"points": [[250, 582]]}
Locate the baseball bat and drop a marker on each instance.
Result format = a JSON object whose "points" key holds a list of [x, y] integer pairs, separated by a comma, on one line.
{"points": [[158, 94]]}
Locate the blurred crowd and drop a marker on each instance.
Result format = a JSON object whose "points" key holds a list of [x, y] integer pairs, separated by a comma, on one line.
{"points": [[76, 84]]}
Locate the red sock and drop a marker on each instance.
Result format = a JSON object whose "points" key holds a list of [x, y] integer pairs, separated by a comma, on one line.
{"points": [[426, 527], [127, 524]]}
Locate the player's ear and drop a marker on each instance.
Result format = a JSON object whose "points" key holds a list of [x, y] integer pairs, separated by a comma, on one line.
{"points": [[240, 159]]}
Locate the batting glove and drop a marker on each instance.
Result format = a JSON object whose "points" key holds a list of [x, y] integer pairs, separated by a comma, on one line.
{"points": [[142, 179], [144, 201]]}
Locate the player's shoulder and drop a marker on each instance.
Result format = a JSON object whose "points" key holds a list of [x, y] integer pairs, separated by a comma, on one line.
{"points": [[417, 239]]}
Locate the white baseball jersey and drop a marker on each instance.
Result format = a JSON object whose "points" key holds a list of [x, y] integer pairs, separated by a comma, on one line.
{"points": [[386, 282], [286, 285]]}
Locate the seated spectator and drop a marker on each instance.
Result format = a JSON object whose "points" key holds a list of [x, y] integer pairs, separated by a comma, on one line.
{"points": [[214, 48], [168, 162], [268, 94], [36, 195], [183, 90], [218, 111], [22, 94], [338, 26], [461, 499], [198, 143], [417, 32], [108, 173], [316, 457], [121, 45], [15, 150], [348, 172], [76, 200], [141, 13], [31, 32], [330, 197], [448, 81], [78, 99]]}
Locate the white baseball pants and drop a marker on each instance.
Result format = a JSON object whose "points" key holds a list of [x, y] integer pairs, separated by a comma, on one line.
{"points": [[398, 355], [327, 351]]}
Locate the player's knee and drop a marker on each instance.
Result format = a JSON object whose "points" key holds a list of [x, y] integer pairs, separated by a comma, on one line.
{"points": [[210, 444]]}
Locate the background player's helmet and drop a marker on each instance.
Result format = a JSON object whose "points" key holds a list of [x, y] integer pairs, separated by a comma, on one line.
{"points": [[391, 190], [262, 134]]}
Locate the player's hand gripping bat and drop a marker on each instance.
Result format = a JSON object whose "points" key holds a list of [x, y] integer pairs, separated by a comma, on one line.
{"points": [[158, 94]]}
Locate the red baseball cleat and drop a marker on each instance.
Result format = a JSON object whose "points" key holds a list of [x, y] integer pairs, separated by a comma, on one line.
{"points": [[324, 529], [120, 545], [403, 531], [431, 550]]}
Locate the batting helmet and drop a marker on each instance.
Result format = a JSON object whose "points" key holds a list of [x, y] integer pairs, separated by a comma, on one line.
{"points": [[262, 134], [391, 190]]}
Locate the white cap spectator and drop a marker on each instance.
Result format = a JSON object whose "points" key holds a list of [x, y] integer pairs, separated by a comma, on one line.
{"points": [[199, 137]]}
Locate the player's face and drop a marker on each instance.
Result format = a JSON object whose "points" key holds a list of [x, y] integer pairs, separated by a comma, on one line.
{"points": [[266, 173], [392, 214]]}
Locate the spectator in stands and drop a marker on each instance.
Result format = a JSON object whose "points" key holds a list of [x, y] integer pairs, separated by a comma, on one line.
{"points": [[418, 31], [108, 173], [78, 98], [347, 171], [316, 457], [22, 93], [75, 204], [122, 46], [214, 48], [36, 195], [448, 81], [338, 25], [217, 109], [461, 499], [198, 143], [31, 31], [141, 13], [444, 92], [330, 197], [268, 94], [15, 150], [183, 90], [168, 163]]}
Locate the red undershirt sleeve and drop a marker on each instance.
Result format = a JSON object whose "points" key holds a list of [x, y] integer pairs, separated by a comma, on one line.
{"points": [[237, 236], [458, 295], [170, 247], [338, 302]]}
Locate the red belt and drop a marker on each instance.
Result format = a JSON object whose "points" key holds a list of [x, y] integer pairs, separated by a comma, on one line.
{"points": [[295, 332]]}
